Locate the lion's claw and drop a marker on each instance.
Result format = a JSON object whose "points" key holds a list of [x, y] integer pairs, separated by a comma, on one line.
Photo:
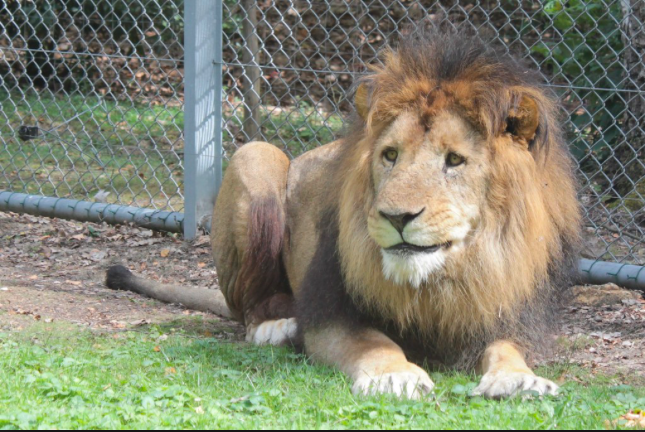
{"points": [[405, 385], [497, 385]]}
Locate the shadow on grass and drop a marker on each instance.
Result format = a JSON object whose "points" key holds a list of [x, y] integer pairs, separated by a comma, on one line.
{"points": [[196, 327]]}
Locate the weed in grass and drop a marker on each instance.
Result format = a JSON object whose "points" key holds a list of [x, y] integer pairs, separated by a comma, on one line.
{"points": [[67, 378]]}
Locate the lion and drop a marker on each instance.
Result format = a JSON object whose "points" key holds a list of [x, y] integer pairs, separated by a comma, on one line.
{"points": [[441, 228]]}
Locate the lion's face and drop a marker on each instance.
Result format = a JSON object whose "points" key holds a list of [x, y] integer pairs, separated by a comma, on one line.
{"points": [[456, 195], [429, 180]]}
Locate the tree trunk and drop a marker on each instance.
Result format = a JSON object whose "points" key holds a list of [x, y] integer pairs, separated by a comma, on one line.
{"points": [[631, 153]]}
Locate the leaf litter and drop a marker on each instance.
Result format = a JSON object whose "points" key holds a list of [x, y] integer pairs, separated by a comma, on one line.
{"points": [[54, 269]]}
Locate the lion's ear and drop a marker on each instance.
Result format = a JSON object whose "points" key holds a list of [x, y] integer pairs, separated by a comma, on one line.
{"points": [[362, 100], [524, 119]]}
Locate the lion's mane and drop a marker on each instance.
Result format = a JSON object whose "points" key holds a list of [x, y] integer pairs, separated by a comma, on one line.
{"points": [[523, 251]]}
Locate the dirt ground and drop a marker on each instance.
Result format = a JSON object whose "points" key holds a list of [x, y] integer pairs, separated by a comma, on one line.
{"points": [[53, 271]]}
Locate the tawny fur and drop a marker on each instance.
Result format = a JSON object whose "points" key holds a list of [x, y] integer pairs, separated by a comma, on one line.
{"points": [[280, 223], [531, 217]]}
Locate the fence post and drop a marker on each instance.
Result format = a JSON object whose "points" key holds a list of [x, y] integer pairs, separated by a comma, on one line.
{"points": [[202, 111], [253, 74]]}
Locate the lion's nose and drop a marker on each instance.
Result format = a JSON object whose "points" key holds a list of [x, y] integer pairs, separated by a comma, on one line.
{"points": [[399, 221]]}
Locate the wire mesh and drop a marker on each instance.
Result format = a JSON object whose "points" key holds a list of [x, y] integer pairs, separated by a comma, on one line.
{"points": [[91, 95], [91, 90], [289, 67]]}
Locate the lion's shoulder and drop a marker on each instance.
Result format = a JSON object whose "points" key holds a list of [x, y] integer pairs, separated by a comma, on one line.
{"points": [[309, 196]]}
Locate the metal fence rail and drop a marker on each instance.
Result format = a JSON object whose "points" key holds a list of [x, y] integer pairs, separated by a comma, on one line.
{"points": [[92, 93], [92, 100], [85, 211]]}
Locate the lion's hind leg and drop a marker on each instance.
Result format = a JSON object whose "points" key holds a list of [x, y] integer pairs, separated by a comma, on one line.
{"points": [[249, 225], [273, 322], [273, 332]]}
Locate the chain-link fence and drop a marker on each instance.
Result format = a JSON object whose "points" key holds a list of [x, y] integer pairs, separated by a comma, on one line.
{"points": [[102, 82], [289, 69], [92, 100]]}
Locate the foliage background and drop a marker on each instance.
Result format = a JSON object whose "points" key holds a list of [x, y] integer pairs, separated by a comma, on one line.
{"points": [[131, 51]]}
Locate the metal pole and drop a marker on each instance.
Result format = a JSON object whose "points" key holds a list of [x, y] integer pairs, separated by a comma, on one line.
{"points": [[600, 272], [85, 211], [202, 111], [591, 272], [252, 73]]}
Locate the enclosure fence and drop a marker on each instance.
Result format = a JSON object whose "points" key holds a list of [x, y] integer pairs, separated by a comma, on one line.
{"points": [[128, 111]]}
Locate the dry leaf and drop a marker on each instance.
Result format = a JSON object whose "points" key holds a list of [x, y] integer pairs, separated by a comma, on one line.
{"points": [[201, 265], [101, 196], [633, 419], [202, 241], [97, 255], [156, 349], [47, 253], [170, 370], [164, 253]]}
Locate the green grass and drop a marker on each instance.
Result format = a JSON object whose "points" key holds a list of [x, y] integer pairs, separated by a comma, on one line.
{"points": [[60, 377], [295, 130], [127, 149], [132, 150], [635, 201]]}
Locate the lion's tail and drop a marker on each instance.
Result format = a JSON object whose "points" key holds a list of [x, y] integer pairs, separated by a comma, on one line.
{"points": [[200, 299]]}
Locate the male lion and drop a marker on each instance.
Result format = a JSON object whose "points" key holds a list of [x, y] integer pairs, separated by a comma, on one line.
{"points": [[438, 229]]}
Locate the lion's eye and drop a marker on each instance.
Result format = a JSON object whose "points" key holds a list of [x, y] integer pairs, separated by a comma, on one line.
{"points": [[391, 155], [454, 160]]}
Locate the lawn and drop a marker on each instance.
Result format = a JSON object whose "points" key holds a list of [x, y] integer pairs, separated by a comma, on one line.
{"points": [[57, 376], [133, 150], [89, 144]]}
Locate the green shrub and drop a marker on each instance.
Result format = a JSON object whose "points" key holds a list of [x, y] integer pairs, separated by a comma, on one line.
{"points": [[584, 52]]}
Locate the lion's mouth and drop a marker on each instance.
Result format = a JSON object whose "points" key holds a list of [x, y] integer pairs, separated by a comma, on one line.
{"points": [[409, 248]]}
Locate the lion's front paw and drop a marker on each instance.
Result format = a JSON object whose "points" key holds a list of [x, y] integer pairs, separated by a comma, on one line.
{"points": [[411, 384], [497, 385]]}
